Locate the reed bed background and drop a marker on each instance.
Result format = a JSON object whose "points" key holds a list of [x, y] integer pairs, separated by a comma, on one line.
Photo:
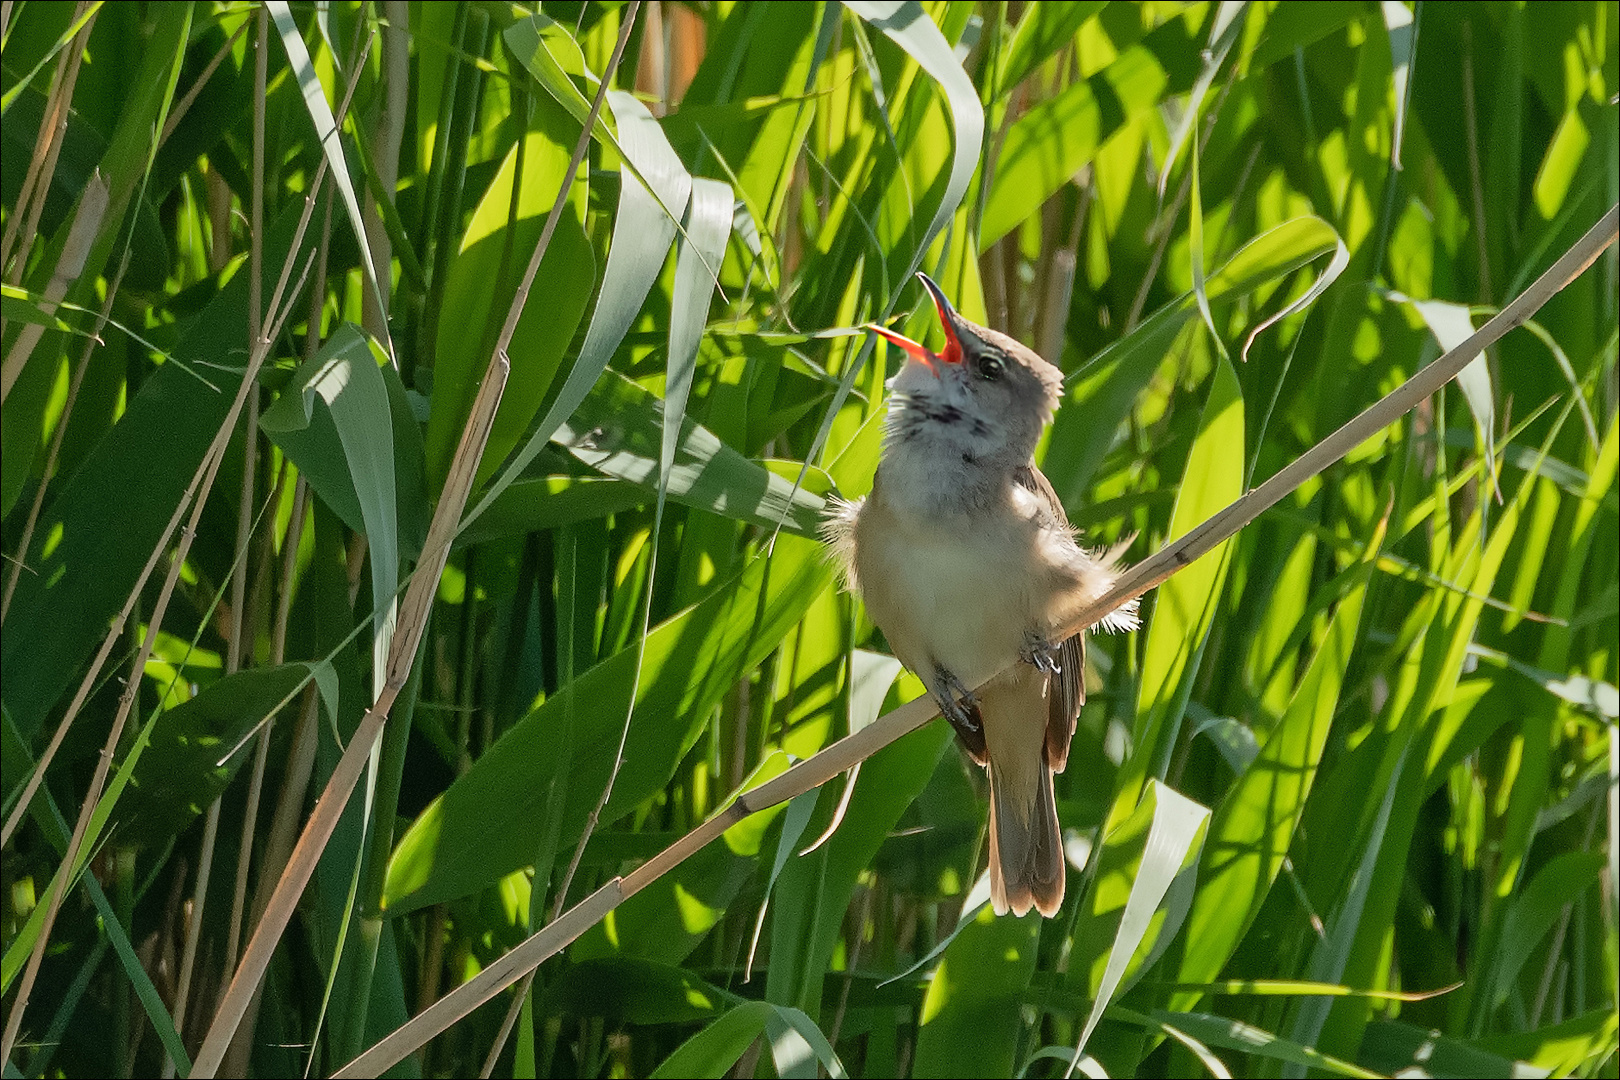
{"points": [[417, 419]]}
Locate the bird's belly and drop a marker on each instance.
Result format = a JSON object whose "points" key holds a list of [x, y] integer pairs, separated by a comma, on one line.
{"points": [[953, 597]]}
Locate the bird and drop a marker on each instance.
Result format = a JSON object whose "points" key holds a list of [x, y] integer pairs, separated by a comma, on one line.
{"points": [[965, 559]]}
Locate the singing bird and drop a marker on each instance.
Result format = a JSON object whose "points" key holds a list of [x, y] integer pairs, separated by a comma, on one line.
{"points": [[966, 561]]}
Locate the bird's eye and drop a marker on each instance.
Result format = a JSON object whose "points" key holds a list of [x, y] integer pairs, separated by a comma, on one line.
{"points": [[991, 368]]}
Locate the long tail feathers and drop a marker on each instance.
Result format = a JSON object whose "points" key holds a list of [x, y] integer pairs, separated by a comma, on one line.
{"points": [[1026, 850]]}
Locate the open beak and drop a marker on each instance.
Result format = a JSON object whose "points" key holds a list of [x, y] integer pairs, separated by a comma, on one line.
{"points": [[947, 320]]}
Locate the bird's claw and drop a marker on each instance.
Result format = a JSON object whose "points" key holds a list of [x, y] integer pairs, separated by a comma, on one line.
{"points": [[1040, 654], [956, 701], [958, 705]]}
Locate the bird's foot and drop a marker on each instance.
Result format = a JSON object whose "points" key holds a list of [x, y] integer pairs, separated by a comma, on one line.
{"points": [[1040, 653], [956, 701], [958, 705]]}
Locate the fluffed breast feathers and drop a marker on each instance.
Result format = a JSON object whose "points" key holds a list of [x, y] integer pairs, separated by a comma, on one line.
{"points": [[838, 530]]}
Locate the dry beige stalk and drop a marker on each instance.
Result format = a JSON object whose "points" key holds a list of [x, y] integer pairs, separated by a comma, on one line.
{"points": [[412, 623], [196, 497], [69, 267]]}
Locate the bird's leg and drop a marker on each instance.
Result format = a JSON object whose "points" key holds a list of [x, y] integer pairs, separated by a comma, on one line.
{"points": [[958, 705], [1040, 653]]}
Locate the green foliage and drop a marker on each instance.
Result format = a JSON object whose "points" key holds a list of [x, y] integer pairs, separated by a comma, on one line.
{"points": [[1341, 806]]}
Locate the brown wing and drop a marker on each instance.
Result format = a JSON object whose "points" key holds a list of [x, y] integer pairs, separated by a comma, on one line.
{"points": [[1068, 689], [1068, 693]]}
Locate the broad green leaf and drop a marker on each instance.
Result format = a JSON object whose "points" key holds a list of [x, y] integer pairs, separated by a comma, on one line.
{"points": [[794, 1039], [1329, 954], [979, 985], [1236, 1035], [1561, 1049], [1273, 656], [798, 1048], [1048, 145], [552, 55], [62, 41], [631, 991], [195, 748], [669, 918], [1104, 391], [799, 810], [1254, 824], [1504, 171], [1043, 28], [549, 502], [1273, 254], [1144, 880], [715, 1049], [708, 226], [702, 246], [336, 446], [487, 823], [344, 375], [1532, 912], [642, 234], [1333, 673], [675, 914], [22, 306], [30, 369], [1288, 27], [1399, 1049], [481, 286], [814, 891], [1561, 162], [1533, 741], [1335, 267], [1349, 952], [813, 702], [908, 26], [1102, 394], [616, 430], [84, 561], [1185, 606]]}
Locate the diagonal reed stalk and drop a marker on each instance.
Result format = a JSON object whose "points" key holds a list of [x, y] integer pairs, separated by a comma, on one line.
{"points": [[853, 749], [48, 470], [47, 147], [196, 498], [413, 615], [200, 487]]}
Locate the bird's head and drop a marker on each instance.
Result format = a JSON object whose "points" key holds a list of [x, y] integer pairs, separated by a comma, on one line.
{"points": [[984, 396]]}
